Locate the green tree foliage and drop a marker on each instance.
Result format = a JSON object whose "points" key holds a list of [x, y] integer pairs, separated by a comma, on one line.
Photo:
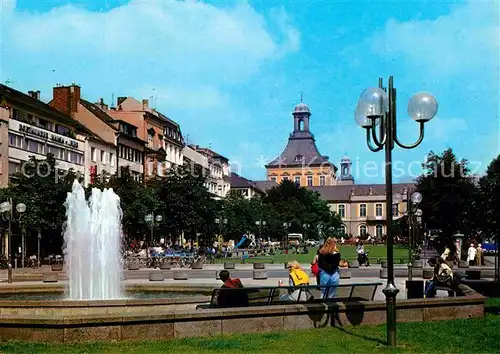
{"points": [[189, 208], [489, 186], [43, 188], [288, 202], [449, 195]]}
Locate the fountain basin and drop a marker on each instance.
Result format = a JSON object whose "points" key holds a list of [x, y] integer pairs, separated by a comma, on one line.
{"points": [[28, 300], [175, 322]]}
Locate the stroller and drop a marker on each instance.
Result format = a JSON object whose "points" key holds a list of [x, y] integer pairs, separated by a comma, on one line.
{"points": [[363, 259]]}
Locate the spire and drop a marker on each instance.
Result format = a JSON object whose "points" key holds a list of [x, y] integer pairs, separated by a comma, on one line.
{"points": [[301, 97]]}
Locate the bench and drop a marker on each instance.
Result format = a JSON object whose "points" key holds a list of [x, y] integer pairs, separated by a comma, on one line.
{"points": [[271, 295]]}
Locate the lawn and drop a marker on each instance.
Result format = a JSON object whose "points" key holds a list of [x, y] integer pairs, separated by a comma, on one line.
{"points": [[459, 336], [347, 252]]}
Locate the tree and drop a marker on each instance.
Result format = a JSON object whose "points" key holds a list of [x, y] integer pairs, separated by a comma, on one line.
{"points": [[43, 188], [489, 187], [241, 215], [297, 205], [449, 195], [188, 207]]}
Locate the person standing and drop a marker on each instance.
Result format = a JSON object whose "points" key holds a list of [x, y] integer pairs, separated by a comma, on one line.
{"points": [[471, 255], [480, 255], [328, 264]]}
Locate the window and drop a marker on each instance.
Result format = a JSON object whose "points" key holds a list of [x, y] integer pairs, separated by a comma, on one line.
{"points": [[297, 180], [322, 180], [284, 178], [273, 178], [42, 123], [35, 146], [362, 230], [309, 181], [395, 210], [150, 141], [341, 210], [93, 155], [343, 230], [75, 157], [57, 152], [16, 141], [159, 170], [14, 168], [362, 210], [378, 230], [62, 130], [103, 157], [378, 209]]}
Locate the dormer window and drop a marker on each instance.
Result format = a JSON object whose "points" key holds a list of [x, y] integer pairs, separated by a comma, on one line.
{"points": [[299, 158]]}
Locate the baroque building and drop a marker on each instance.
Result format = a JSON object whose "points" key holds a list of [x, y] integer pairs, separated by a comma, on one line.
{"points": [[301, 160]]}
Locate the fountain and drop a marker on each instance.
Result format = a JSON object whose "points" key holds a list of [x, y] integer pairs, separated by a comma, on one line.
{"points": [[92, 242]]}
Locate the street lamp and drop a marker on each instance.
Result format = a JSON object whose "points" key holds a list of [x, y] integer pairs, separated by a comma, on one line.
{"points": [[260, 223], [150, 219], [412, 212], [287, 225], [220, 222], [8, 214], [376, 110]]}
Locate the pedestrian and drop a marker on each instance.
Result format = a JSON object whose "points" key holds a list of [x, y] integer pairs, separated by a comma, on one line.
{"points": [[328, 263], [471, 255]]}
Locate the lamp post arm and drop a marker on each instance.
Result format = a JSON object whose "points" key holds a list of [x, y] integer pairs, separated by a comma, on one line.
{"points": [[383, 136], [369, 142], [417, 143]]}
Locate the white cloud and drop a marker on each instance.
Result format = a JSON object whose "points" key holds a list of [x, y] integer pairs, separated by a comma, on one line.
{"points": [[460, 43], [7, 6], [192, 41]]}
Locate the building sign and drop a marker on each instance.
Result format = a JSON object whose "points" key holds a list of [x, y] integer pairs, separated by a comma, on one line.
{"points": [[45, 135]]}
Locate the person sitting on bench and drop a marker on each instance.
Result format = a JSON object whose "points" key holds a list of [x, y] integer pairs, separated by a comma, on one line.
{"points": [[443, 276], [228, 281], [297, 278], [231, 298]]}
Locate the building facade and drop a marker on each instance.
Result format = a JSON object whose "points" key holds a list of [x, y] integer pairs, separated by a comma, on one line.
{"points": [[163, 136], [115, 142], [218, 181], [30, 127], [362, 207]]}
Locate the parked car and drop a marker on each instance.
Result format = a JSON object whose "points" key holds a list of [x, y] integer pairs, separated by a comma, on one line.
{"points": [[489, 247]]}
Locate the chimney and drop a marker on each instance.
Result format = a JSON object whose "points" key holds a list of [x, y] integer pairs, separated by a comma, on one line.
{"points": [[34, 94], [66, 98], [145, 104], [120, 100], [102, 105]]}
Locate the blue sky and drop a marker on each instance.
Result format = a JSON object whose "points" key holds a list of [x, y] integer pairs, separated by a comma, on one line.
{"points": [[231, 72]]}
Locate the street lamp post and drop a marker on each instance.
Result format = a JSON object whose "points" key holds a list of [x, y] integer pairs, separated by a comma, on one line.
{"points": [[220, 222], [260, 223], [151, 218], [287, 225], [411, 212], [376, 110], [6, 209], [39, 239], [305, 227]]}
